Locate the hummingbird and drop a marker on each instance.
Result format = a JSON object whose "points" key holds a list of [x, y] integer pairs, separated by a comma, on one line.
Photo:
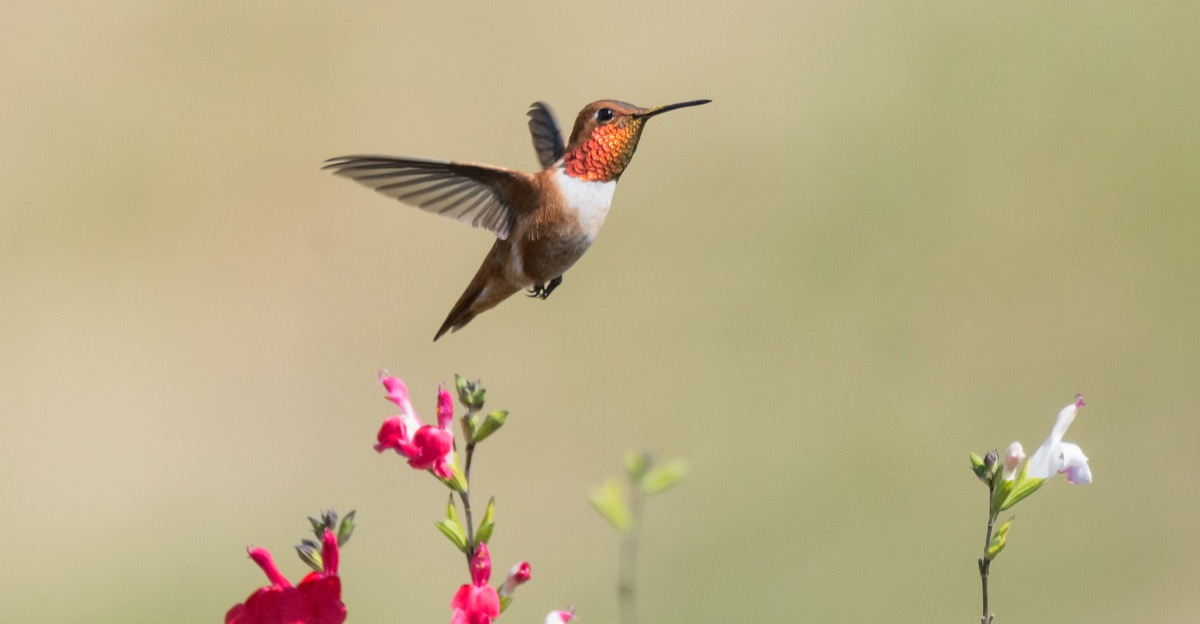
{"points": [[544, 221]]}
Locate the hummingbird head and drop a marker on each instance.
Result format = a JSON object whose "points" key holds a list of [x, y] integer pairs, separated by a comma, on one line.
{"points": [[605, 136]]}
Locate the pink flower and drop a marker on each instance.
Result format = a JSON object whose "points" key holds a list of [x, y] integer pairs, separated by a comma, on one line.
{"points": [[518, 575], [1013, 456], [316, 600], [561, 617], [427, 447], [1055, 456], [477, 603]]}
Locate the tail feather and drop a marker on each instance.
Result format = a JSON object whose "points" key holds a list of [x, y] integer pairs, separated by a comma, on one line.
{"points": [[461, 313], [480, 296]]}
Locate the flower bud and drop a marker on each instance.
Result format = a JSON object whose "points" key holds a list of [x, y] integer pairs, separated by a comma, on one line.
{"points": [[1013, 456], [517, 576]]}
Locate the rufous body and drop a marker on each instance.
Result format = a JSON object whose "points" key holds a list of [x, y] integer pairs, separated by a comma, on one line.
{"points": [[543, 222]]}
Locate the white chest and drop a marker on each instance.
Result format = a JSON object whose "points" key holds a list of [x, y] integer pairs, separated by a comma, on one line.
{"points": [[588, 200]]}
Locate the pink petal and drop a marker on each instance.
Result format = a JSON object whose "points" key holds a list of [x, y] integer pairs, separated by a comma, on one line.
{"points": [[445, 408]]}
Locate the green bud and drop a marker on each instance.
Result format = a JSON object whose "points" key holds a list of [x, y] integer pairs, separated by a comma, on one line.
{"points": [[636, 464], [470, 394], [490, 424], [609, 500], [663, 477], [310, 554], [345, 529], [470, 427]]}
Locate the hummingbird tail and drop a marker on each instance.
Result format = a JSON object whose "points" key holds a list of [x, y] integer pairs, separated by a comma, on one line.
{"points": [[480, 296]]}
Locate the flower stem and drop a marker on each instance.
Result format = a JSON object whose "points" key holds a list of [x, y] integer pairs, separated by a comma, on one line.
{"points": [[466, 497], [985, 564], [626, 575]]}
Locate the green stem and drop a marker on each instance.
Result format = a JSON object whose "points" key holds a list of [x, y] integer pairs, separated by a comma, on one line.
{"points": [[985, 564], [466, 498], [627, 572]]}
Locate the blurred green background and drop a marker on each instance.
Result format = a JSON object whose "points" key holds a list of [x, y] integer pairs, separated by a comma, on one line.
{"points": [[901, 232]]}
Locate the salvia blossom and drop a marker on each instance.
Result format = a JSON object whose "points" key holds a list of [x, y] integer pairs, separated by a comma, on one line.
{"points": [[427, 447], [1055, 456], [316, 600], [561, 617], [1013, 456], [518, 575], [478, 602]]}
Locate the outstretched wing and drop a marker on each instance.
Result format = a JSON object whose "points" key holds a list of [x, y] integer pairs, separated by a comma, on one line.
{"points": [[484, 196], [547, 140]]}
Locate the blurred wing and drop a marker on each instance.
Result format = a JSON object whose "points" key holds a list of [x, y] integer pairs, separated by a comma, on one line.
{"points": [[486, 197], [547, 140]]}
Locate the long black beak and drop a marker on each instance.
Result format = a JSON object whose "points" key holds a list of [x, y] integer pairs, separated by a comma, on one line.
{"points": [[670, 107]]}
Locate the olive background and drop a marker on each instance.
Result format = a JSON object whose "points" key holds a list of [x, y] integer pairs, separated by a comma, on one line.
{"points": [[900, 232]]}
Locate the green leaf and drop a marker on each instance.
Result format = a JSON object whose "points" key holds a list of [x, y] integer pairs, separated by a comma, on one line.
{"points": [[488, 524], [609, 500], [664, 477], [998, 539], [1023, 488], [504, 602], [491, 424], [1000, 493], [457, 481], [452, 511], [979, 467], [453, 533]]}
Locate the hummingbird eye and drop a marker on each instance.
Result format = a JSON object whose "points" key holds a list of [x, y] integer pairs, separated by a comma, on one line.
{"points": [[604, 114]]}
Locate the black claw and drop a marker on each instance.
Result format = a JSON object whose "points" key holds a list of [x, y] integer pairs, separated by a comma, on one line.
{"points": [[541, 291]]}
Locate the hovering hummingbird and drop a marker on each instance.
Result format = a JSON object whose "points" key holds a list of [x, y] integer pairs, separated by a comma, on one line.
{"points": [[543, 221]]}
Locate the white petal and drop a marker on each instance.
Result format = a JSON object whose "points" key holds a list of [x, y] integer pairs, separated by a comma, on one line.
{"points": [[1045, 462], [1065, 417], [1048, 460], [1075, 464]]}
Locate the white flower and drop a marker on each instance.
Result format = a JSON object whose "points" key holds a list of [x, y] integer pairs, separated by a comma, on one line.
{"points": [[1055, 456]]}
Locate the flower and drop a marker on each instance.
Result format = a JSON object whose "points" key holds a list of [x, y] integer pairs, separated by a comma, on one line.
{"points": [[478, 602], [561, 617], [1055, 456], [316, 600], [427, 447], [518, 575], [1013, 456]]}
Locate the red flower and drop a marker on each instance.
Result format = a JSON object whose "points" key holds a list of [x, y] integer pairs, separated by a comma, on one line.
{"points": [[317, 600], [427, 447], [477, 603]]}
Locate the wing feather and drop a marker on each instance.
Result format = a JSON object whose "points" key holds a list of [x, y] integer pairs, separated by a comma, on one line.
{"points": [[483, 196], [547, 140]]}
